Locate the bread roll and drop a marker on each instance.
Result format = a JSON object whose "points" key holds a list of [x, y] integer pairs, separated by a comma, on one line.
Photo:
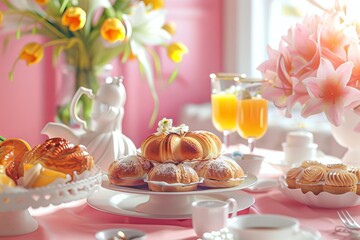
{"points": [[60, 155], [175, 147], [222, 172], [170, 177], [128, 171]]}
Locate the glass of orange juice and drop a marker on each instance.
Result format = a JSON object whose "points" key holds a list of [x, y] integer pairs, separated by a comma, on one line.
{"points": [[252, 111], [223, 104]]}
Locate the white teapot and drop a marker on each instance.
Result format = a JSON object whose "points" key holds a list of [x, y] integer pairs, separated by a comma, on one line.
{"points": [[103, 139]]}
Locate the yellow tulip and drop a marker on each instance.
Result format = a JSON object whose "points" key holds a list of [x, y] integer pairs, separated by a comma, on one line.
{"points": [[156, 4], [41, 2], [1, 17], [74, 18], [32, 53], [170, 27], [176, 51], [113, 30]]}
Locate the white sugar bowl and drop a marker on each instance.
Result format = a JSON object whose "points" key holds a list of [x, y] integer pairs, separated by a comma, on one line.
{"points": [[299, 147]]}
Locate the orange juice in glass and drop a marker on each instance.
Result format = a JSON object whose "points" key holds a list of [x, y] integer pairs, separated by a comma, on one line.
{"points": [[252, 117], [252, 111], [223, 104], [223, 109]]}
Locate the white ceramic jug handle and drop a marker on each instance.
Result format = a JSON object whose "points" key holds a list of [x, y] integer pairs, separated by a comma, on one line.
{"points": [[233, 207], [73, 104]]}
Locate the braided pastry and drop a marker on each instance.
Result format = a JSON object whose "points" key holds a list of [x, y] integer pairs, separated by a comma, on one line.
{"points": [[60, 155]]}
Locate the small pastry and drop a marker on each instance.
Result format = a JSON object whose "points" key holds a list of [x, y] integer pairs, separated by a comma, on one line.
{"points": [[12, 151], [60, 155], [221, 172], [128, 171], [170, 177], [356, 171], [312, 180], [309, 163], [340, 181], [38, 176], [333, 166], [292, 175]]}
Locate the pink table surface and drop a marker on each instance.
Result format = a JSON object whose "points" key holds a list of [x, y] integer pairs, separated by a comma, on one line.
{"points": [[77, 220]]}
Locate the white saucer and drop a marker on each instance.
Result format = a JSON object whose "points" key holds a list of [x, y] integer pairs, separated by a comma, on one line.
{"points": [[308, 234], [263, 185], [127, 204], [129, 233]]}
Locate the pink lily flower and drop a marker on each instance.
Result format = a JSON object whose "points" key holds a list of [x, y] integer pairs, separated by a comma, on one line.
{"points": [[277, 88], [317, 65], [329, 92], [353, 55]]}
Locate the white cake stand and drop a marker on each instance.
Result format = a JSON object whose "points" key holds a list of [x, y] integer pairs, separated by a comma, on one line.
{"points": [[15, 218], [174, 203]]}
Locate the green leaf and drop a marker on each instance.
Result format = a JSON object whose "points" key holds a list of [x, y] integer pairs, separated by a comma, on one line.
{"points": [[18, 34], [2, 139], [141, 69], [6, 43], [122, 5], [52, 8], [107, 54], [56, 53], [173, 76], [63, 6], [11, 75], [157, 62], [126, 53]]}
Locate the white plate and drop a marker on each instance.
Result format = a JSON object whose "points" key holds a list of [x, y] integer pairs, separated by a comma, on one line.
{"points": [[249, 181], [111, 233], [127, 204], [322, 200], [304, 234], [14, 205]]}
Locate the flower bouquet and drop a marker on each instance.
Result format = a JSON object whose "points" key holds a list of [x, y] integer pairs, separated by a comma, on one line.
{"points": [[90, 34], [317, 64]]}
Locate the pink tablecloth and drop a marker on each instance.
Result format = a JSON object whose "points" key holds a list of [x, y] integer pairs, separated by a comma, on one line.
{"points": [[77, 220]]}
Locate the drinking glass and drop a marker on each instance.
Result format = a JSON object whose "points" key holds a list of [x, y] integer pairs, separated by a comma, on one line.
{"points": [[252, 111], [223, 104]]}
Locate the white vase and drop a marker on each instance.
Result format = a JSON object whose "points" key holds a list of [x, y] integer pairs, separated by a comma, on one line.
{"points": [[348, 138]]}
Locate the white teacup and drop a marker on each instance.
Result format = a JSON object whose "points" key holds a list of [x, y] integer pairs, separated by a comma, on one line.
{"points": [[250, 163], [212, 215], [263, 226]]}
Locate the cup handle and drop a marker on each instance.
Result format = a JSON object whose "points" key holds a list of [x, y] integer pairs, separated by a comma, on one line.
{"points": [[233, 207]]}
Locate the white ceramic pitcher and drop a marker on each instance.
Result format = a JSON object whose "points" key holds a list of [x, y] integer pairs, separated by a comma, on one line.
{"points": [[104, 138]]}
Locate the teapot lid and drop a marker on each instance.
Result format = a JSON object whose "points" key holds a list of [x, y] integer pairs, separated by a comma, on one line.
{"points": [[112, 93]]}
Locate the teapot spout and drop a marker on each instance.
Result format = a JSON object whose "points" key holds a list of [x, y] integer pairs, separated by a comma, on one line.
{"points": [[53, 129]]}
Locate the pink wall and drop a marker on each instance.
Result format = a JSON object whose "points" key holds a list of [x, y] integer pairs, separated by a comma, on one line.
{"points": [[199, 26], [27, 102], [24, 102]]}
